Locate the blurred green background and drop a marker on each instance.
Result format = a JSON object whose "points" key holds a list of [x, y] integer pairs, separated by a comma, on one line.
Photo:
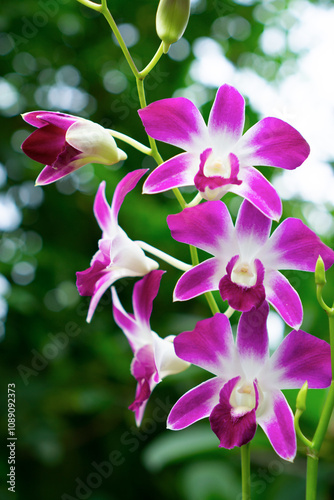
{"points": [[75, 436]]}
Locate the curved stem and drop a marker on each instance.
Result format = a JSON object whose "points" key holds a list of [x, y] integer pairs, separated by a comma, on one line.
{"points": [[229, 311], [301, 436], [132, 142], [245, 471], [164, 256], [195, 201], [91, 5], [152, 63]]}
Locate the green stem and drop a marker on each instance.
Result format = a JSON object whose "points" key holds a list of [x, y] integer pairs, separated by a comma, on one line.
{"points": [[311, 477], [152, 63], [245, 471], [91, 5], [132, 142], [110, 20]]}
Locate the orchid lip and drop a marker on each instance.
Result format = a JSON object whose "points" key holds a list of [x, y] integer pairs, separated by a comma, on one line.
{"points": [[216, 174]]}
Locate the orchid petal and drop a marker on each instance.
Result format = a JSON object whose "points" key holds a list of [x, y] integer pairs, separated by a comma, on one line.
{"points": [[44, 144], [277, 423], [144, 292], [252, 339], [294, 246], [176, 121], [253, 229], [126, 185], [210, 345], [299, 358], [204, 226], [179, 171], [200, 279], [40, 119], [232, 430], [273, 142], [167, 362], [257, 190], [195, 404], [128, 324], [51, 174], [227, 116], [102, 209], [284, 298]]}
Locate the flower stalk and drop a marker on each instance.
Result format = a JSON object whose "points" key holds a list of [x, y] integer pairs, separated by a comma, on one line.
{"points": [[245, 471]]}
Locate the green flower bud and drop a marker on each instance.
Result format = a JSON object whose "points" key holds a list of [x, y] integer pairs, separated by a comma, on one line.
{"points": [[301, 398], [320, 277], [171, 20]]}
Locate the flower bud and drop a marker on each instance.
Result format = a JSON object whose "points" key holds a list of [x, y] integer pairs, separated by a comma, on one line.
{"points": [[301, 398], [171, 20], [320, 277]]}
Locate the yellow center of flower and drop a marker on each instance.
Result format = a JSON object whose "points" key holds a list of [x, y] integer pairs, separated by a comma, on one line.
{"points": [[216, 166], [244, 274], [243, 398]]}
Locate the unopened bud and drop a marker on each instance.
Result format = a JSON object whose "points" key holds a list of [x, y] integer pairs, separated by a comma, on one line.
{"points": [[320, 277], [171, 20], [301, 398]]}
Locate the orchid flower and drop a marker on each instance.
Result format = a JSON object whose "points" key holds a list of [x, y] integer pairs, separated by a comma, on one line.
{"points": [[66, 143], [246, 389], [118, 256], [154, 357], [246, 260], [218, 159]]}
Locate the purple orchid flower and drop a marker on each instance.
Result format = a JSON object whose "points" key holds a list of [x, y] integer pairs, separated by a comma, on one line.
{"points": [[154, 357], [246, 389], [218, 159], [246, 260], [65, 143], [118, 256]]}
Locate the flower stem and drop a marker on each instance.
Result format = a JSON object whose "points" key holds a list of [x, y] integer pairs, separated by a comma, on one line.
{"points": [[311, 477], [132, 142], [245, 471], [110, 20], [91, 5], [164, 256], [152, 63]]}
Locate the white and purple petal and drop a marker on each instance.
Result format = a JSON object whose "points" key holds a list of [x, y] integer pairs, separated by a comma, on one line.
{"points": [[195, 404], [207, 226], [200, 279], [252, 340], [176, 121], [179, 171], [144, 293], [227, 116], [299, 358], [257, 190], [294, 246], [126, 185], [253, 230], [210, 345], [277, 423], [284, 298], [273, 142]]}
